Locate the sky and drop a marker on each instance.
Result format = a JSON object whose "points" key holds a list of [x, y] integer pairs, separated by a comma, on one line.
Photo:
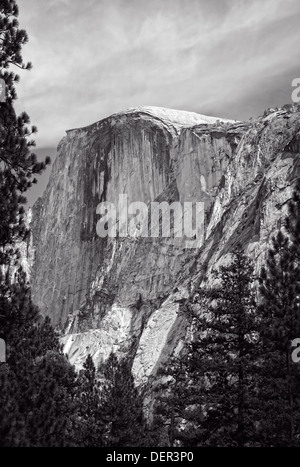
{"points": [[93, 58]]}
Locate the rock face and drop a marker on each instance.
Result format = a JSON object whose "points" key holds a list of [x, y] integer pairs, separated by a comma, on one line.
{"points": [[125, 293]]}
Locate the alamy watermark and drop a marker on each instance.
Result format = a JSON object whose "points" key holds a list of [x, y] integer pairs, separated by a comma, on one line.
{"points": [[296, 352], [2, 90], [2, 351], [157, 219], [296, 92]]}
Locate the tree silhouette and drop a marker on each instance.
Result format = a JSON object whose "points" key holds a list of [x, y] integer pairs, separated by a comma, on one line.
{"points": [[279, 326]]}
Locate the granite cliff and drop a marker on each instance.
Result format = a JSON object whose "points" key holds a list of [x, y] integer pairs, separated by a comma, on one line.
{"points": [[126, 293]]}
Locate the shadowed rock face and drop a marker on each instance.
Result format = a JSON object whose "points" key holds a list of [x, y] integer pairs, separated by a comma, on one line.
{"points": [[126, 294]]}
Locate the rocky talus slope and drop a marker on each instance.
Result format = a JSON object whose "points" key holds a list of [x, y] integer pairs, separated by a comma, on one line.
{"points": [[126, 293]]}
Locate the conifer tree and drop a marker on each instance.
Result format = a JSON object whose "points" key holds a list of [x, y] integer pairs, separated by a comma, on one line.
{"points": [[223, 355], [12, 423], [171, 400], [216, 404], [89, 422], [121, 406], [37, 385], [280, 325], [17, 164], [19, 318], [51, 410]]}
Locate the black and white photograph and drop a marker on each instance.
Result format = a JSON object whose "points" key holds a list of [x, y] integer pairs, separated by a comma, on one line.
{"points": [[150, 226]]}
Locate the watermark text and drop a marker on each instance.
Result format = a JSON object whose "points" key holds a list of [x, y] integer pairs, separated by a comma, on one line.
{"points": [[157, 219]]}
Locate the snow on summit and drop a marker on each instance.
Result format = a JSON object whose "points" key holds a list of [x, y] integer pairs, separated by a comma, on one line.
{"points": [[181, 117]]}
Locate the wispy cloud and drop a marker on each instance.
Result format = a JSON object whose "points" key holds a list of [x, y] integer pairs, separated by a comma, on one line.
{"points": [[230, 58]]}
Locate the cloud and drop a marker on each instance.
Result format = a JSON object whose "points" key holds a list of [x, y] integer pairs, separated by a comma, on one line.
{"points": [[95, 58]]}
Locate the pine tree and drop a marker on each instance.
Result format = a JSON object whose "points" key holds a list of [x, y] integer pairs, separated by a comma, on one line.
{"points": [[19, 317], [223, 356], [89, 424], [12, 423], [51, 410], [280, 324], [121, 406], [17, 164], [215, 406], [171, 400], [37, 385]]}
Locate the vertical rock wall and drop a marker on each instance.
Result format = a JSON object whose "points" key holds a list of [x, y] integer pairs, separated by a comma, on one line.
{"points": [[126, 294]]}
